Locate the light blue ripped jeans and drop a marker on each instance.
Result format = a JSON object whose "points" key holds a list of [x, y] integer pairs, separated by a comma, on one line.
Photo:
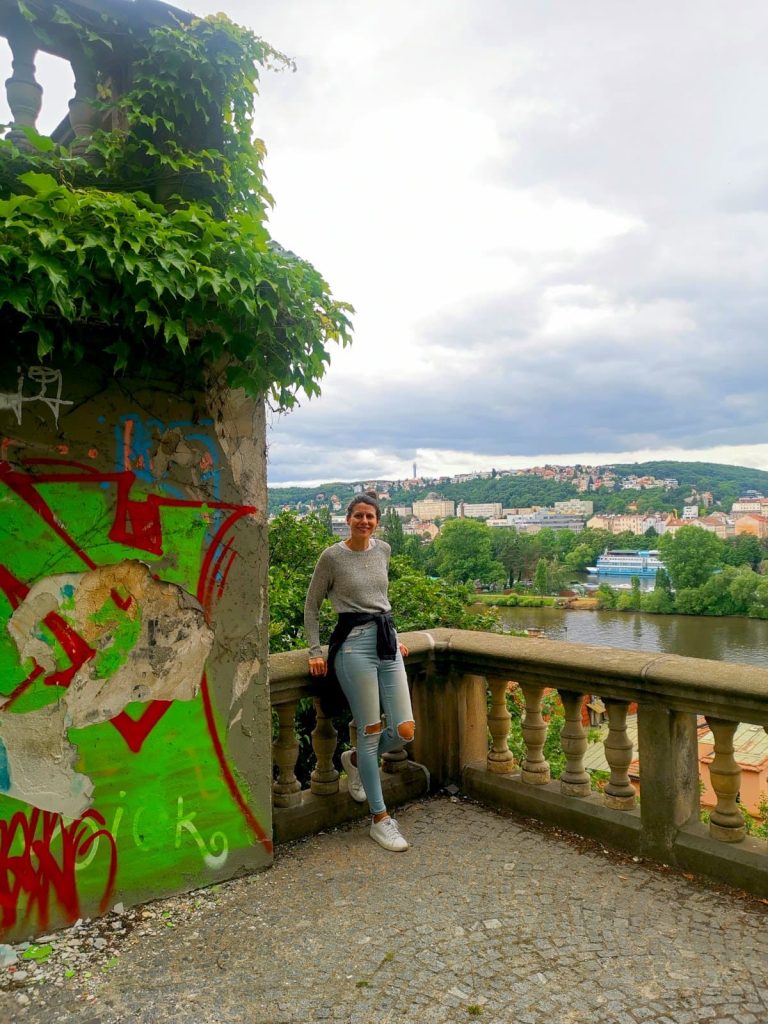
{"points": [[370, 686]]}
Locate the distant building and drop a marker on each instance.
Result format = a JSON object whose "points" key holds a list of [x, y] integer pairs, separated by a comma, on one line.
{"points": [[575, 507], [744, 506], [690, 511], [339, 526], [434, 508], [637, 523], [425, 531], [487, 510], [754, 524]]}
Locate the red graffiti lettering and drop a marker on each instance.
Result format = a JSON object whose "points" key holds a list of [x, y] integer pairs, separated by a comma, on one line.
{"points": [[39, 855]]}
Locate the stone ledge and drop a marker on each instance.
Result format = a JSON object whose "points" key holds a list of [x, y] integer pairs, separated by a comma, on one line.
{"points": [[316, 813], [743, 865], [587, 816]]}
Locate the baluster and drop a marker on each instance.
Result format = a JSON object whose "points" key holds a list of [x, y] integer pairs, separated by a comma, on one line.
{"points": [[500, 758], [324, 778], [286, 789], [24, 93], [619, 792], [573, 739], [394, 761], [353, 733], [726, 821], [82, 112], [535, 769]]}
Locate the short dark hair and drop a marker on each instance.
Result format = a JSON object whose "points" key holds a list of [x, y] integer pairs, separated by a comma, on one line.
{"points": [[369, 498]]}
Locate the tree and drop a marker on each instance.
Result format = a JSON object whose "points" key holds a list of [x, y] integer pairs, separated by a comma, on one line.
{"points": [[515, 551], [175, 266], [631, 601], [392, 531], [541, 577], [744, 550], [419, 602], [294, 548], [464, 553], [580, 557], [607, 598], [691, 556]]}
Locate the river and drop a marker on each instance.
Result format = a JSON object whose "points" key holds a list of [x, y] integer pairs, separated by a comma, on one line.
{"points": [[721, 639]]}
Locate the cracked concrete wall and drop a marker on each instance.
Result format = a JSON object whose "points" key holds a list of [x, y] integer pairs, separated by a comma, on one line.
{"points": [[135, 722]]}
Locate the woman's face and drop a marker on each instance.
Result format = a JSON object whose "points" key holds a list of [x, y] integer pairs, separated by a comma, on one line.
{"points": [[362, 520]]}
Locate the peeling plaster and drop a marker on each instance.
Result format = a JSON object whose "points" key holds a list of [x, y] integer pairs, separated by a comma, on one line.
{"points": [[244, 672], [41, 762], [150, 642]]}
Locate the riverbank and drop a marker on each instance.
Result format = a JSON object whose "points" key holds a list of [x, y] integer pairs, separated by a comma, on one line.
{"points": [[532, 601]]}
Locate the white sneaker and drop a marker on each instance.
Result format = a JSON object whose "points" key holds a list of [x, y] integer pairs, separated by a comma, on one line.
{"points": [[355, 786], [387, 834]]}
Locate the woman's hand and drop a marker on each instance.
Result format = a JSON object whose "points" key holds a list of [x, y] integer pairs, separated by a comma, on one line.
{"points": [[403, 650], [318, 666]]}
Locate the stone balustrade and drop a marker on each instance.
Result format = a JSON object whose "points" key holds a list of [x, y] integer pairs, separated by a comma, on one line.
{"points": [[101, 40], [88, 35], [459, 684]]}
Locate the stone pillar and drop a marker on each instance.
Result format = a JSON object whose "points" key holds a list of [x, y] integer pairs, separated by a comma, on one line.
{"points": [[535, 769], [472, 719], [726, 822], [324, 778], [82, 112], [286, 789], [619, 793], [573, 738], [500, 758], [669, 776], [24, 93]]}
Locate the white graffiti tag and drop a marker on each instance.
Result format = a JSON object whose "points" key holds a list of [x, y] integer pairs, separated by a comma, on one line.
{"points": [[43, 376]]}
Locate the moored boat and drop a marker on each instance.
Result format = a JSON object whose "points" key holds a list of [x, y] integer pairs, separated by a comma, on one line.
{"points": [[620, 562]]}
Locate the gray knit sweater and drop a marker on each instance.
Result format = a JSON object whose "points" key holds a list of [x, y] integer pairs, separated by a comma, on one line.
{"points": [[354, 581]]}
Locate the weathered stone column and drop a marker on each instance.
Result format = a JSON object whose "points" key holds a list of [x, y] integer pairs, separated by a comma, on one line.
{"points": [[324, 778], [726, 821], [500, 758], [286, 789], [619, 793], [574, 780], [535, 769], [669, 776], [82, 110], [23, 91]]}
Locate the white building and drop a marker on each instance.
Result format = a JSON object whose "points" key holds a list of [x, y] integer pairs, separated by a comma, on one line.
{"points": [[434, 508], [575, 507], [487, 510]]}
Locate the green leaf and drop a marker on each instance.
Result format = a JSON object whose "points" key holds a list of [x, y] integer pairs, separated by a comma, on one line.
{"points": [[39, 183], [37, 953]]}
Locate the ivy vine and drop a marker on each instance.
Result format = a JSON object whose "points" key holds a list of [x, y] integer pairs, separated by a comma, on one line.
{"points": [[152, 248]]}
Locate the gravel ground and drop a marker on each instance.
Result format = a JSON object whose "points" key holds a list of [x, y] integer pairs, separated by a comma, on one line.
{"points": [[484, 918]]}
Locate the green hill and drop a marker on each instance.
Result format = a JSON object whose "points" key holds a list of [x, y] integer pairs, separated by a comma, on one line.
{"points": [[725, 482]]}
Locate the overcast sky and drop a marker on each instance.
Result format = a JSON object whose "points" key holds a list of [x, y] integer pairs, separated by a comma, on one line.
{"points": [[551, 218]]}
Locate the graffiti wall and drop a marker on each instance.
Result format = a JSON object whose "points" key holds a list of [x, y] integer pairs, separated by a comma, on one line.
{"points": [[134, 715]]}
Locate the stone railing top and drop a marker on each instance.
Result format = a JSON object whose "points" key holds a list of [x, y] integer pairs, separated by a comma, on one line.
{"points": [[53, 34], [733, 692]]}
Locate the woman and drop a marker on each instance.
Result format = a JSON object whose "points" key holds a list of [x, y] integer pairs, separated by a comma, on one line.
{"points": [[366, 656]]}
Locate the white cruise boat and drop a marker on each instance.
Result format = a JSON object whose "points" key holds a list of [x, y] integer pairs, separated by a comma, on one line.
{"points": [[627, 563]]}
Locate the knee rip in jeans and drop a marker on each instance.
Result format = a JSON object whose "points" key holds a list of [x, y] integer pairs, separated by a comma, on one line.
{"points": [[372, 730], [406, 731]]}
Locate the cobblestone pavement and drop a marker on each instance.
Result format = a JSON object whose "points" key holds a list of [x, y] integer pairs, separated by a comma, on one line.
{"points": [[484, 918]]}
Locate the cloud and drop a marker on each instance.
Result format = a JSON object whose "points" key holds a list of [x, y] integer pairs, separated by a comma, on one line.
{"points": [[552, 221]]}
